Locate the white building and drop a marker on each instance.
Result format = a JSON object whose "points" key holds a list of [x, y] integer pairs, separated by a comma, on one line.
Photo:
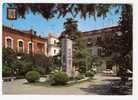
{"points": [[53, 45]]}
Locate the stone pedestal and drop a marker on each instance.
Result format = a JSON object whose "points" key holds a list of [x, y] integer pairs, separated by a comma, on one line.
{"points": [[66, 55]]}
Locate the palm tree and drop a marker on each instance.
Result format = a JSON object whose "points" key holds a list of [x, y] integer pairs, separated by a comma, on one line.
{"points": [[71, 29]]}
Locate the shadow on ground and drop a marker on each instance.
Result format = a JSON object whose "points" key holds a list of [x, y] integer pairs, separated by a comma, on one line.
{"points": [[97, 89], [107, 89]]}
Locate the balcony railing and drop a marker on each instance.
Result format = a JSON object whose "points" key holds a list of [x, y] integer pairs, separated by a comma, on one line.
{"points": [[55, 44]]}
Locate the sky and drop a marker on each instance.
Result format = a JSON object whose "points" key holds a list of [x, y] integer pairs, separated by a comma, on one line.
{"points": [[55, 25]]}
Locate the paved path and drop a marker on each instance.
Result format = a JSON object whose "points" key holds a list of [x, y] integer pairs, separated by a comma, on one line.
{"points": [[99, 85]]}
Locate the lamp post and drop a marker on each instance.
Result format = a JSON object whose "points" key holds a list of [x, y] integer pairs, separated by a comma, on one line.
{"points": [[118, 33], [31, 39], [17, 69]]}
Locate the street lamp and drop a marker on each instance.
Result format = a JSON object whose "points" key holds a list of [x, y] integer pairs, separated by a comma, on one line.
{"points": [[18, 57]]}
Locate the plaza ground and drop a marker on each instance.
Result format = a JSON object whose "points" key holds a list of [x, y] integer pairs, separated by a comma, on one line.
{"points": [[100, 85]]}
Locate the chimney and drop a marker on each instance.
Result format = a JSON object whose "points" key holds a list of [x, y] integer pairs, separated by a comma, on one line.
{"points": [[34, 33]]}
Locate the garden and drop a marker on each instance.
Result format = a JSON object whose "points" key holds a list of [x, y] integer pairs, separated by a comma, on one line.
{"points": [[33, 67]]}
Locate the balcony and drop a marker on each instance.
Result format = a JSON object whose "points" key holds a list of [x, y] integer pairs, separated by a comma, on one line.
{"points": [[55, 44]]}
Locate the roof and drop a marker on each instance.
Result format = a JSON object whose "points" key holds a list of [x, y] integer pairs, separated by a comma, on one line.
{"points": [[26, 33], [50, 35], [99, 31]]}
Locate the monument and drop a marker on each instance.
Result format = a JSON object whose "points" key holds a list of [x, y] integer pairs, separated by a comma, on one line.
{"points": [[66, 54]]}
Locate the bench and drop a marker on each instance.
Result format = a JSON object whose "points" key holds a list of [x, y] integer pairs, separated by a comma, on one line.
{"points": [[5, 79]]}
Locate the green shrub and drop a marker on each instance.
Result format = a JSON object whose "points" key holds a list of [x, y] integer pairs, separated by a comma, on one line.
{"points": [[35, 62], [22, 66], [26, 67], [89, 74], [32, 76], [58, 78], [6, 71], [40, 70], [8, 56], [40, 61]]}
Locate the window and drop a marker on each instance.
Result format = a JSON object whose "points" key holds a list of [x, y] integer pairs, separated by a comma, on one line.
{"points": [[40, 48], [20, 46], [55, 42], [30, 47], [99, 38], [54, 51], [8, 42]]}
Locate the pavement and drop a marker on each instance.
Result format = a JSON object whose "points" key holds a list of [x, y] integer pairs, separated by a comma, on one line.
{"points": [[100, 85]]}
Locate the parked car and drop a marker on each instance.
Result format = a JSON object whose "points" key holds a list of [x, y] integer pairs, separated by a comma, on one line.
{"points": [[108, 72]]}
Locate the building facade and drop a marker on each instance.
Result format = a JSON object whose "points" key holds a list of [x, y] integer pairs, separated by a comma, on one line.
{"points": [[53, 45], [30, 42], [93, 37], [23, 41], [92, 40]]}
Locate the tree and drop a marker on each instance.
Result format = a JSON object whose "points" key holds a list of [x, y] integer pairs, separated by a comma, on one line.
{"points": [[49, 11], [82, 56], [123, 42], [53, 63], [71, 29], [21, 67], [8, 56]]}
